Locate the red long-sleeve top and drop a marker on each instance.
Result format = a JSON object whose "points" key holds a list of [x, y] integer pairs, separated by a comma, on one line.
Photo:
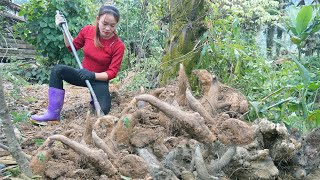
{"points": [[107, 59]]}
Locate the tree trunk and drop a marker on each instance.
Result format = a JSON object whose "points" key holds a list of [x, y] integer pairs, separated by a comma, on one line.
{"points": [[186, 26], [270, 36], [14, 146], [279, 36]]}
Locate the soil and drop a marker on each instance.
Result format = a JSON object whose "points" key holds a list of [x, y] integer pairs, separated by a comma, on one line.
{"points": [[152, 131]]}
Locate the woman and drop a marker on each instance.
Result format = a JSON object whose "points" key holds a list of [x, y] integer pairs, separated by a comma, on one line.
{"points": [[103, 52]]}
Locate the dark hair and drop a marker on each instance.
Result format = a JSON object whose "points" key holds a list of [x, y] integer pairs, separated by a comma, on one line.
{"points": [[105, 9]]}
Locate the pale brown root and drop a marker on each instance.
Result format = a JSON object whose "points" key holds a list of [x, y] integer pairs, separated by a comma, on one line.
{"points": [[187, 175], [210, 88], [87, 137], [244, 106], [157, 92], [183, 84], [238, 101], [99, 143], [68, 132], [197, 106], [201, 168], [39, 161], [141, 104], [212, 96], [97, 158], [46, 143], [113, 146], [130, 106], [205, 79], [107, 145], [133, 166], [107, 120], [235, 131], [121, 132], [221, 105], [192, 123], [154, 167], [225, 159]]}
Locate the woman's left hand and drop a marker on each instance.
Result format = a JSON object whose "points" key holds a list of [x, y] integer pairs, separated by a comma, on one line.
{"points": [[86, 75]]}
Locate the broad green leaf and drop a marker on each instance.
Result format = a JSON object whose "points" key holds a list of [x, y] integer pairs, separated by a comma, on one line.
{"points": [[293, 30], [235, 28], [304, 36], [46, 31], [43, 24], [239, 62], [203, 53], [314, 86], [296, 40], [303, 71], [204, 36], [28, 74], [255, 105], [315, 116], [303, 18], [292, 14]]}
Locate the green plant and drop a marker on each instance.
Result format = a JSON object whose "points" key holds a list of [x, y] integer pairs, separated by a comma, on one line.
{"points": [[279, 97], [303, 22], [126, 122], [30, 72], [287, 92], [251, 14], [16, 80], [227, 49], [19, 116], [15, 172], [142, 29], [38, 142], [146, 74], [40, 29], [41, 157]]}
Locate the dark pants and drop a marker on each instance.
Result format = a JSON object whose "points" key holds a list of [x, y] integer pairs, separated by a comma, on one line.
{"points": [[61, 73]]}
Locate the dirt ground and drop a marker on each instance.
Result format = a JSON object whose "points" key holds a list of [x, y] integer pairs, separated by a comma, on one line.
{"points": [[33, 99], [155, 144]]}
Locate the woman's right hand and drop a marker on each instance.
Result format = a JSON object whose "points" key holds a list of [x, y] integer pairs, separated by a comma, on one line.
{"points": [[59, 19]]}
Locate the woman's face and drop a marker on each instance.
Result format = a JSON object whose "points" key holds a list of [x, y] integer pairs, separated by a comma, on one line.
{"points": [[107, 25]]}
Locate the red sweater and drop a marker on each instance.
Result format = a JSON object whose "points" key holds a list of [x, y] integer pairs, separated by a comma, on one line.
{"points": [[107, 59]]}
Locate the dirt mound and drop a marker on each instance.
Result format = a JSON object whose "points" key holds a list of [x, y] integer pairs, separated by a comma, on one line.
{"points": [[164, 133]]}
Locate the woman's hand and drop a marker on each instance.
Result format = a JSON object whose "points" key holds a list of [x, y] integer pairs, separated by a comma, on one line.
{"points": [[59, 19], [86, 75]]}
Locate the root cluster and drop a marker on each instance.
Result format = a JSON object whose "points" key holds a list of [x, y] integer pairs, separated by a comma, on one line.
{"points": [[170, 134]]}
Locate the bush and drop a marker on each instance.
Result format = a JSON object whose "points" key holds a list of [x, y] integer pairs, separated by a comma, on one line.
{"points": [[40, 29]]}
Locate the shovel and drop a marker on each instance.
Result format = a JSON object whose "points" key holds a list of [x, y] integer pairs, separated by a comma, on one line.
{"points": [[94, 97]]}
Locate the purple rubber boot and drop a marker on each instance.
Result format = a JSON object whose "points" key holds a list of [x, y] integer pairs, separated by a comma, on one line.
{"points": [[56, 99]]}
